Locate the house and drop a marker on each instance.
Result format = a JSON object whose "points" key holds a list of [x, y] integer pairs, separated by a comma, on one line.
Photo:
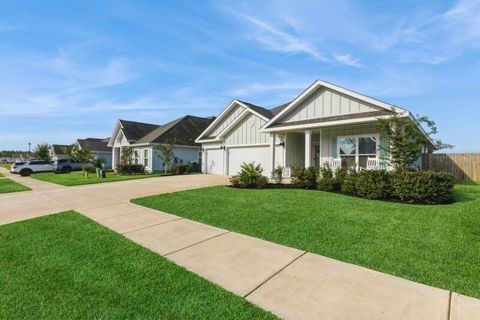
{"points": [[60, 151], [99, 149], [143, 137], [325, 123]]}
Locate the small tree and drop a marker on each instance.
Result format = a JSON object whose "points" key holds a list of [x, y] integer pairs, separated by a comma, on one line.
{"points": [[405, 139], [126, 157], [166, 152], [42, 152]]}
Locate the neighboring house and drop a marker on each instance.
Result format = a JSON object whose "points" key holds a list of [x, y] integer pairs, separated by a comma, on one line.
{"points": [[143, 137], [324, 124], [59, 151], [99, 149]]}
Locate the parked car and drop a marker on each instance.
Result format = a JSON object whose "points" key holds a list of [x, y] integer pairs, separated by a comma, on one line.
{"points": [[26, 168], [68, 165]]}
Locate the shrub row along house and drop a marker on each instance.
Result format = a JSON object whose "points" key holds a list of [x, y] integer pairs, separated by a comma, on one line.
{"points": [[144, 137], [326, 123]]}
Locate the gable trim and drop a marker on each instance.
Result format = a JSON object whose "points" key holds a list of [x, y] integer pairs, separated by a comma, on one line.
{"points": [[353, 94], [230, 106]]}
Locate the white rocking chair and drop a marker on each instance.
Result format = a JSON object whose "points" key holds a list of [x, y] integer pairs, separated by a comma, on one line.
{"points": [[373, 164]]}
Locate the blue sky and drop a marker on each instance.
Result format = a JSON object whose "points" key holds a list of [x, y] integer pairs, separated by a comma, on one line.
{"points": [[70, 69]]}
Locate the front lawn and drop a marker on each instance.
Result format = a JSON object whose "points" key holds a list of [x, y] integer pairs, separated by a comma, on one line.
{"points": [[2, 175], [66, 266], [7, 185], [6, 166], [78, 178], [436, 245]]}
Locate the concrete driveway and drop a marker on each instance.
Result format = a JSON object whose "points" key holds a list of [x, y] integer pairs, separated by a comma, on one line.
{"points": [[291, 283]]}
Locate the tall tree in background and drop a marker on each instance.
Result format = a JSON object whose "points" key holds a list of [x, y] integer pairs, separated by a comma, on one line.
{"points": [[166, 152], [41, 152]]}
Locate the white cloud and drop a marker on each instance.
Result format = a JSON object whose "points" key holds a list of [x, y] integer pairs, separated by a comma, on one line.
{"points": [[258, 87], [348, 60], [277, 40]]}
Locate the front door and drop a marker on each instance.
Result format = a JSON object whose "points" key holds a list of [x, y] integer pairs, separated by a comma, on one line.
{"points": [[316, 155]]}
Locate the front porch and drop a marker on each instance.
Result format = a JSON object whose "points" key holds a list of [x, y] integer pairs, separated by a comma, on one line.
{"points": [[342, 146]]}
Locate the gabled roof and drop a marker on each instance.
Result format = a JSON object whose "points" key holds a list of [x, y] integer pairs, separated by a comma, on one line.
{"points": [[320, 83], [60, 148], [95, 144], [262, 112], [134, 131], [183, 130]]}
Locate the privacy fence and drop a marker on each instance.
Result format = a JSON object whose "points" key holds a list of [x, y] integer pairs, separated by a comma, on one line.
{"points": [[463, 166]]}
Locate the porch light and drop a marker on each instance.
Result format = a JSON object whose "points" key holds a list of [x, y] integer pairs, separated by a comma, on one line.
{"points": [[282, 144]]}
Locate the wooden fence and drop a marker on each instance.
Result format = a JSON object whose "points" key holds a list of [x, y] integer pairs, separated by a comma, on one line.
{"points": [[463, 166]]}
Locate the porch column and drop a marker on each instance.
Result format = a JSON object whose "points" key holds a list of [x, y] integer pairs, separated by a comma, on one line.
{"points": [[272, 152], [320, 146], [308, 148], [114, 158]]}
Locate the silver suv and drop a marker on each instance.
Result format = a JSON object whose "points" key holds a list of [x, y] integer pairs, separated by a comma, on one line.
{"points": [[67, 165], [26, 168]]}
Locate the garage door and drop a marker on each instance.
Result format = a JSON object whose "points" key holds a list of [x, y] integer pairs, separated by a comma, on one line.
{"points": [[259, 155], [214, 160]]}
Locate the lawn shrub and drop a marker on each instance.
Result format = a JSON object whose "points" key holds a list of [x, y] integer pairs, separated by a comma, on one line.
{"points": [[278, 174], [326, 180], [427, 187], [250, 176], [89, 169], [373, 184], [305, 178], [349, 183], [340, 176], [179, 168], [130, 169]]}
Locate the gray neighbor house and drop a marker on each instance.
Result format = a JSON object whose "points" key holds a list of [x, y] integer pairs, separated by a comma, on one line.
{"points": [[143, 137]]}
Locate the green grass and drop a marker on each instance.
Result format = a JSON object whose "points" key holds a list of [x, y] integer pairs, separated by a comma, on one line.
{"points": [[77, 178], [7, 185], [6, 166], [2, 175], [65, 266], [435, 245]]}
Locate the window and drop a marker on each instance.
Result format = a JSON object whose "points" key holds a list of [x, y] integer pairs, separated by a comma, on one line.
{"points": [[145, 157], [355, 150], [135, 157]]}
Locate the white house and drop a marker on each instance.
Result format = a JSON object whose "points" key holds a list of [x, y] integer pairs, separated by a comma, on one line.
{"points": [[99, 149], [143, 137], [325, 123]]}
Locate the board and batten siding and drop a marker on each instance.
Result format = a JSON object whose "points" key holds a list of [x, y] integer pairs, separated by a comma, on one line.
{"points": [[247, 132], [229, 117], [183, 154], [326, 103]]}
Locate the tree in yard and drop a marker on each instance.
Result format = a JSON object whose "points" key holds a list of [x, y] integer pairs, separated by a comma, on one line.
{"points": [[405, 139], [126, 157], [166, 152], [81, 155], [42, 152]]}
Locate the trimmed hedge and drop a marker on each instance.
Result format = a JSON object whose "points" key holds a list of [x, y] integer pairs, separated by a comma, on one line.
{"points": [[130, 169], [305, 178], [178, 169], [423, 187]]}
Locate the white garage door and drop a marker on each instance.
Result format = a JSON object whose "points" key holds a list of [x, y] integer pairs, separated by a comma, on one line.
{"points": [[259, 155], [214, 161]]}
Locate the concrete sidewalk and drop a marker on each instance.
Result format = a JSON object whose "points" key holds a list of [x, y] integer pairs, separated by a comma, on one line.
{"points": [[289, 282]]}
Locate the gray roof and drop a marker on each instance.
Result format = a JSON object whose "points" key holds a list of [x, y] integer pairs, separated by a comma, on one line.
{"points": [[95, 144], [267, 113], [183, 130], [134, 131]]}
